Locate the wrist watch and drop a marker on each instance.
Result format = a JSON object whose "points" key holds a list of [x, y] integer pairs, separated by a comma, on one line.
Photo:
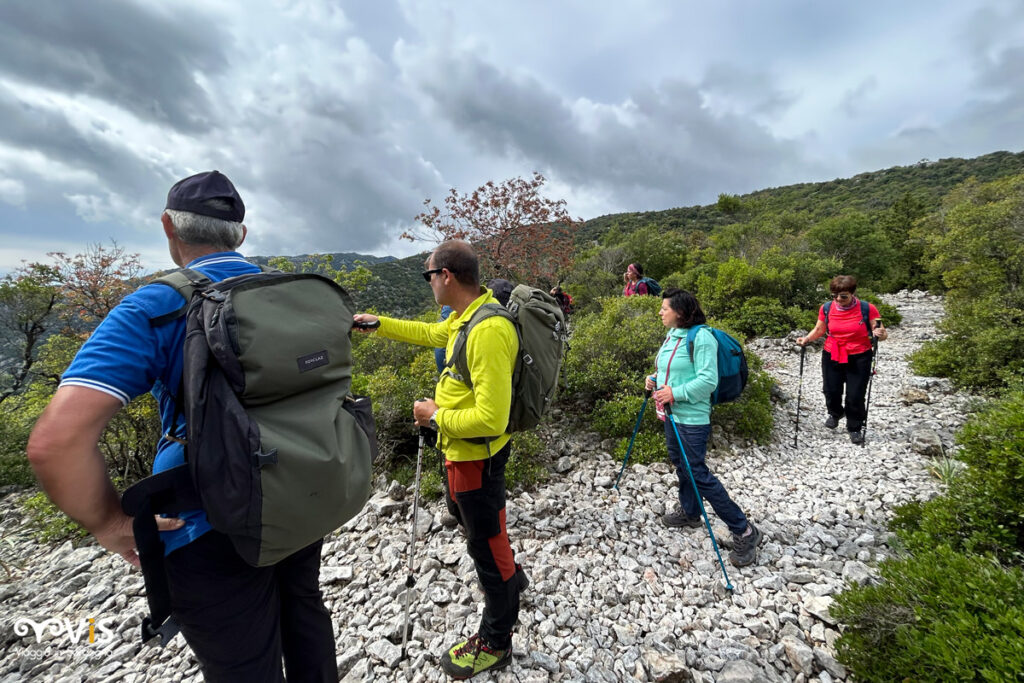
{"points": [[433, 422]]}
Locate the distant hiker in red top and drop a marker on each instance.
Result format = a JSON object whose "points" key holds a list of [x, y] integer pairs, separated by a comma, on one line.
{"points": [[851, 326], [633, 277]]}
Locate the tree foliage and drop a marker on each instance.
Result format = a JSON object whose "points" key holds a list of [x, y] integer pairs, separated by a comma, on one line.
{"points": [[975, 249], [354, 279], [519, 234]]}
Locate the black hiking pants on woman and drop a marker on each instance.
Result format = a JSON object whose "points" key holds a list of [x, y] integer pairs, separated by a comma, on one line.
{"points": [[477, 500], [854, 374]]}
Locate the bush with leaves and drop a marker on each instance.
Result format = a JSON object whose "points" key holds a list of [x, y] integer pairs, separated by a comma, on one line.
{"points": [[612, 349], [749, 416], [525, 468], [49, 524], [984, 512], [854, 239], [616, 417], [936, 616], [975, 249], [393, 391], [648, 447]]}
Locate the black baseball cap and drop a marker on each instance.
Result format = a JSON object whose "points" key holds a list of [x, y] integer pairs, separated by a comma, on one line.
{"points": [[195, 192]]}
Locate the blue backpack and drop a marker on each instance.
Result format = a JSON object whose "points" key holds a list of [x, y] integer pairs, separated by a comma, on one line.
{"points": [[732, 365], [653, 288]]}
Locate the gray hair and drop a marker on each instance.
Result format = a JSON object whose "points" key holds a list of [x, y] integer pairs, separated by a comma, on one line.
{"points": [[196, 229]]}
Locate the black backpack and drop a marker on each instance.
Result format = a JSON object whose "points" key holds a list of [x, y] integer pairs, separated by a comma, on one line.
{"points": [[279, 453]]}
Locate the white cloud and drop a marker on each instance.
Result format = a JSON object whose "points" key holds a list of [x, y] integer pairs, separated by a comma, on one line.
{"points": [[12, 192]]}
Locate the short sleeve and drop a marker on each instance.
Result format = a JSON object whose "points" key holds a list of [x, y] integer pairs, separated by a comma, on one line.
{"points": [[873, 312], [821, 314], [125, 355]]}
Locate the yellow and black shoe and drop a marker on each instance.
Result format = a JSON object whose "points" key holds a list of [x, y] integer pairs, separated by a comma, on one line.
{"points": [[474, 656]]}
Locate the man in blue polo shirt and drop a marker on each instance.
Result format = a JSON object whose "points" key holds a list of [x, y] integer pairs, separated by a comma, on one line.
{"points": [[239, 620]]}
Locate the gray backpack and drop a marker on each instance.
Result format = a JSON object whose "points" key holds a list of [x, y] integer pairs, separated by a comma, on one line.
{"points": [[540, 325], [278, 452]]}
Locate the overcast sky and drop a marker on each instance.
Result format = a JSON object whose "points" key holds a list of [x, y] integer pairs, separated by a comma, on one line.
{"points": [[337, 119]]}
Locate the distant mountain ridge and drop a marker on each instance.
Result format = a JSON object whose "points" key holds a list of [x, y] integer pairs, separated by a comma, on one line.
{"points": [[400, 290]]}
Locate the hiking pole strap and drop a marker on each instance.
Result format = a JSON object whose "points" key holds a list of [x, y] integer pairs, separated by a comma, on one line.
{"points": [[696, 491], [158, 592], [639, 419], [169, 492]]}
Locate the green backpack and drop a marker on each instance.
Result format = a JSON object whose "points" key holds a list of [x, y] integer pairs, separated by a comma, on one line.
{"points": [[540, 326], [279, 453]]}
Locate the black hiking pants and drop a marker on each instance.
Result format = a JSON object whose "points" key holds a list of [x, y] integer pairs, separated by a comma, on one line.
{"points": [[854, 374], [240, 620], [476, 498]]}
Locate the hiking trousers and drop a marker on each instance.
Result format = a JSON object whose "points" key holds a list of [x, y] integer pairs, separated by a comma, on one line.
{"points": [[695, 441], [477, 499], [854, 374], [240, 620]]}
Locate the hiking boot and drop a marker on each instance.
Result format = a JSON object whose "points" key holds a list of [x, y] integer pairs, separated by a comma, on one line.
{"points": [[857, 437], [832, 422], [677, 518], [474, 656], [744, 548]]}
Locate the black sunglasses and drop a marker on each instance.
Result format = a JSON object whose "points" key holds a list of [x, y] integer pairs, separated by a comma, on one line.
{"points": [[842, 295], [428, 273]]}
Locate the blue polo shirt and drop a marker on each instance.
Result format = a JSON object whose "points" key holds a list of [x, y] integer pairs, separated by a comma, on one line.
{"points": [[126, 357]]}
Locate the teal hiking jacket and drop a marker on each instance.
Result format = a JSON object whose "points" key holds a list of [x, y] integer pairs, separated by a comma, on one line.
{"points": [[692, 383]]}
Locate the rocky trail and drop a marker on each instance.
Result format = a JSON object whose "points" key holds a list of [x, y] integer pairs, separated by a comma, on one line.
{"points": [[614, 595]]}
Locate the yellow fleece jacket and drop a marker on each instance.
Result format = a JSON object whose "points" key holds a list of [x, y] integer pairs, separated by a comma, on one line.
{"points": [[465, 413]]}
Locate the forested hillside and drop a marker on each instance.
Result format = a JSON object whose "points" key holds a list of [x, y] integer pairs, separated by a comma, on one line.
{"points": [[890, 198]]}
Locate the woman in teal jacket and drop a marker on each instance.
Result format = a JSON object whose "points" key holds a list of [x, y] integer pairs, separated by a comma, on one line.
{"points": [[687, 386]]}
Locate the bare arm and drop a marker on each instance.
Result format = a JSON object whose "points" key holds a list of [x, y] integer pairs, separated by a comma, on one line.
{"points": [[817, 333], [64, 454]]}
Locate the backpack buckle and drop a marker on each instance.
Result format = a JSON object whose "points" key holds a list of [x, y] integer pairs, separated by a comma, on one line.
{"points": [[528, 359], [213, 295], [263, 459]]}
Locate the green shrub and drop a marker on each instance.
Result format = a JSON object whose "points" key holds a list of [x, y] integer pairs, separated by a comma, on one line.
{"points": [[975, 249], [393, 393], [937, 616], [14, 431], [648, 447], [48, 523], [613, 349], [751, 415], [984, 512], [617, 417]]}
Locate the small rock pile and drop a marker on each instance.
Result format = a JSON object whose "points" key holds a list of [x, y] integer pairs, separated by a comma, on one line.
{"points": [[614, 595]]}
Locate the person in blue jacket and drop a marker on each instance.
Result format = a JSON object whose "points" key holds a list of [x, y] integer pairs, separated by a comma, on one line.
{"points": [[687, 386]]}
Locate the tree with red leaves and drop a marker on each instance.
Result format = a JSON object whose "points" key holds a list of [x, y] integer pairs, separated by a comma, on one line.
{"points": [[517, 233]]}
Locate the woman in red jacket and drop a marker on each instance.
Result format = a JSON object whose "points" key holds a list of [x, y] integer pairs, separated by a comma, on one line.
{"points": [[851, 326]]}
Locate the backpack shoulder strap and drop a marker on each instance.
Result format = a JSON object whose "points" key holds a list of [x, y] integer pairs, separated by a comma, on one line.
{"points": [[826, 308], [458, 357], [185, 281], [865, 311], [691, 336]]}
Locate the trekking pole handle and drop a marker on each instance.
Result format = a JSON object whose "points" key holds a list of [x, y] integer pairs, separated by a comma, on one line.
{"points": [[366, 326]]}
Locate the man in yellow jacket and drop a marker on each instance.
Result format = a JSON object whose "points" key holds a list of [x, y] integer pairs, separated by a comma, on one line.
{"points": [[464, 418]]}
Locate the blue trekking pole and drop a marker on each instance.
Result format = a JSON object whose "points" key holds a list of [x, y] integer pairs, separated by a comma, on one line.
{"points": [[700, 501], [639, 419]]}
